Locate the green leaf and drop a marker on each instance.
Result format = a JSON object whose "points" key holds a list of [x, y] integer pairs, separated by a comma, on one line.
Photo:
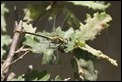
{"points": [[3, 22], [89, 73], [27, 16], [71, 44], [20, 78], [95, 5], [29, 28], [57, 78], [41, 45], [68, 33], [36, 79], [37, 76], [5, 41], [59, 32], [30, 41], [47, 56], [94, 25], [90, 76], [84, 66], [45, 78]]}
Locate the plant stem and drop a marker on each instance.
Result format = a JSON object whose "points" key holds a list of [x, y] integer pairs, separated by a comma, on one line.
{"points": [[17, 59], [9, 59]]}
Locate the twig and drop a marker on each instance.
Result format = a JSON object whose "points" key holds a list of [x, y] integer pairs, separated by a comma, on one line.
{"points": [[17, 60], [79, 69], [9, 59], [20, 57], [22, 49], [17, 51]]}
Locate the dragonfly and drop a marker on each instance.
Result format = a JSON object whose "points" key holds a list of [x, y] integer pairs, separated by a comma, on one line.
{"points": [[55, 38]]}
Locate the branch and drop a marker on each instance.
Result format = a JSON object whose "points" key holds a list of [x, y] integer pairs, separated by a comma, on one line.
{"points": [[17, 59], [22, 49], [20, 57], [98, 54], [9, 59]]}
